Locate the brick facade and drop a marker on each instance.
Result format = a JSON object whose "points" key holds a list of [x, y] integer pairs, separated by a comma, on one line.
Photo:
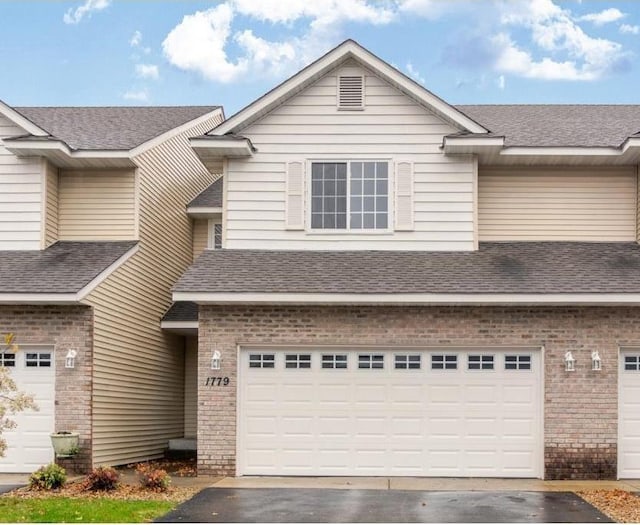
{"points": [[580, 408], [63, 327]]}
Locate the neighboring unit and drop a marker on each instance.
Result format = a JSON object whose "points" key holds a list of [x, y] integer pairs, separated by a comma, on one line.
{"points": [[93, 233], [402, 284]]}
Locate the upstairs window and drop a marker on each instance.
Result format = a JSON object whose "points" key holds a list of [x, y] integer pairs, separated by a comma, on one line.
{"points": [[350, 195], [350, 92], [216, 236]]}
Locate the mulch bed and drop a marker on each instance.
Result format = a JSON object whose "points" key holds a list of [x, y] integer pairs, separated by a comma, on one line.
{"points": [[619, 505]]}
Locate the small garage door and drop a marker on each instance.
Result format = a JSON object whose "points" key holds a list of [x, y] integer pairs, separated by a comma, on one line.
{"points": [[399, 412], [29, 445], [629, 414]]}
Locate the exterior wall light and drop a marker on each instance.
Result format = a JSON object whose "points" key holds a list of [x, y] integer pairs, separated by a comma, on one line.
{"points": [[215, 360], [596, 362], [70, 359], [569, 362]]}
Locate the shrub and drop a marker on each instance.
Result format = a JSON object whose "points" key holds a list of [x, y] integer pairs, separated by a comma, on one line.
{"points": [[49, 477], [103, 478], [153, 478]]}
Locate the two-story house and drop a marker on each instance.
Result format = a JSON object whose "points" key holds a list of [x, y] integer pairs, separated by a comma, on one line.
{"points": [[93, 234], [411, 288]]}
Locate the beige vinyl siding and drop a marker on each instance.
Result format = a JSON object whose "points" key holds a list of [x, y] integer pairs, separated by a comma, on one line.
{"points": [[200, 236], [557, 204], [191, 387], [391, 127], [96, 205], [21, 194], [51, 219], [139, 392]]}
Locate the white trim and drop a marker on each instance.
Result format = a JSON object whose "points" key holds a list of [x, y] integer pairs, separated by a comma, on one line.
{"points": [[137, 200], [159, 139], [104, 274], [409, 298], [562, 151], [476, 226], [348, 49], [44, 190], [38, 298], [203, 210], [227, 147], [186, 325], [22, 121], [471, 141], [16, 145]]}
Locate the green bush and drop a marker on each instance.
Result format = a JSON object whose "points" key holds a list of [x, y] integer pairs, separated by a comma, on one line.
{"points": [[154, 479], [49, 477], [103, 478]]}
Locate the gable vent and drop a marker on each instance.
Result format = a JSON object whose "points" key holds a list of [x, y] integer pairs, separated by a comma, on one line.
{"points": [[350, 92]]}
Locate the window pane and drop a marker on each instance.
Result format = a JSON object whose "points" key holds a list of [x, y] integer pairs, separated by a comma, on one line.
{"points": [[382, 170], [356, 204], [329, 204], [356, 221], [381, 187], [368, 204], [381, 221], [369, 170], [356, 187], [369, 187], [356, 170], [329, 221], [328, 194], [341, 221], [368, 221]]}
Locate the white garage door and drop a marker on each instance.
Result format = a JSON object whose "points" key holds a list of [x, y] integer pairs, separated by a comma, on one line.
{"points": [[373, 412], [29, 445], [629, 414]]}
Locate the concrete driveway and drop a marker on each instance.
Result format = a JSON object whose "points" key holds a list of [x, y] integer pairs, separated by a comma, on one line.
{"points": [[233, 505]]}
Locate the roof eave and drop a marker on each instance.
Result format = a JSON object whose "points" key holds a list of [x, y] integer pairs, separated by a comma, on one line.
{"points": [[203, 212]]}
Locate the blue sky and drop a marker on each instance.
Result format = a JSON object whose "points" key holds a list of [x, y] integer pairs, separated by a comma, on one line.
{"points": [[116, 52]]}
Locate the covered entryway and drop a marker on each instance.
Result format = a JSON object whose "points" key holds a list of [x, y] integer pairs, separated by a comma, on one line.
{"points": [[29, 445], [393, 412], [629, 414]]}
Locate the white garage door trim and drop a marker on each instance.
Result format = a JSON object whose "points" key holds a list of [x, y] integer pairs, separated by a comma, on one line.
{"points": [[29, 445], [628, 444], [537, 412]]}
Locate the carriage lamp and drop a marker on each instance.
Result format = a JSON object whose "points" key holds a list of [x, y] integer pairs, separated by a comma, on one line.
{"points": [[215, 360], [569, 362], [596, 362], [70, 359]]}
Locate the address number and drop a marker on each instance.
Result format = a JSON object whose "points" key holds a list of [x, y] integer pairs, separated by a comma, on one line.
{"points": [[217, 381]]}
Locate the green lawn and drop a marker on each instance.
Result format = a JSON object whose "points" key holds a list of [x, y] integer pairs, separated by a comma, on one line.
{"points": [[81, 510]]}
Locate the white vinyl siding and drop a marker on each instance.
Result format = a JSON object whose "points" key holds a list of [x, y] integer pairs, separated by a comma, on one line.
{"points": [[21, 195], [557, 204], [139, 388], [96, 205], [392, 127], [200, 237]]}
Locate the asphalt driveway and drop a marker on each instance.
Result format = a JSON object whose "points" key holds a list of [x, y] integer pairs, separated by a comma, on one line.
{"points": [[376, 506]]}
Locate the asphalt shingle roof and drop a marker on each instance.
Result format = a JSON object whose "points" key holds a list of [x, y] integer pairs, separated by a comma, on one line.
{"points": [[182, 311], [497, 267], [110, 128], [210, 197], [64, 267], [558, 125]]}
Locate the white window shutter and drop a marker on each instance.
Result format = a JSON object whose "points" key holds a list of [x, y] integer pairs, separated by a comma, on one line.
{"points": [[295, 196], [404, 196]]}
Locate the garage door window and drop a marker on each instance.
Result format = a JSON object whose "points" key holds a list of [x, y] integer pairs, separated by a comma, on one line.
{"points": [[632, 363], [261, 360], [334, 361], [480, 362], [370, 361], [444, 362], [38, 359], [297, 361], [7, 359], [408, 362], [517, 362]]}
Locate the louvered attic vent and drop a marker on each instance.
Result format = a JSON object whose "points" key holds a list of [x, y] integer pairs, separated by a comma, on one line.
{"points": [[350, 92]]}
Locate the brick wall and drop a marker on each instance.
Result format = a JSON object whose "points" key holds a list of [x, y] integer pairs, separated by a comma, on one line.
{"points": [[64, 327], [580, 407]]}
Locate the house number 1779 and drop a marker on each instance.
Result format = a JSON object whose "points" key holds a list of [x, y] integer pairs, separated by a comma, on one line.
{"points": [[217, 381]]}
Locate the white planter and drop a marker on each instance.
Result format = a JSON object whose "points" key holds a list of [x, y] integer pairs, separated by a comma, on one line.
{"points": [[65, 444]]}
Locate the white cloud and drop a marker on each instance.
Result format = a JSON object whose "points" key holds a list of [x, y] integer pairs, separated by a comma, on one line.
{"points": [[604, 17], [136, 39], [415, 74], [141, 95], [147, 71], [629, 29], [74, 16], [501, 82]]}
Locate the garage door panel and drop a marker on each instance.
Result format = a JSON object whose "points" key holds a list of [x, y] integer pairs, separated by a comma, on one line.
{"points": [[417, 422]]}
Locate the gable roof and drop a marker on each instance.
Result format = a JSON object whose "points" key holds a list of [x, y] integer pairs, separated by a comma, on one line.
{"points": [[63, 269], [538, 269], [582, 125], [349, 49], [210, 197], [110, 128]]}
